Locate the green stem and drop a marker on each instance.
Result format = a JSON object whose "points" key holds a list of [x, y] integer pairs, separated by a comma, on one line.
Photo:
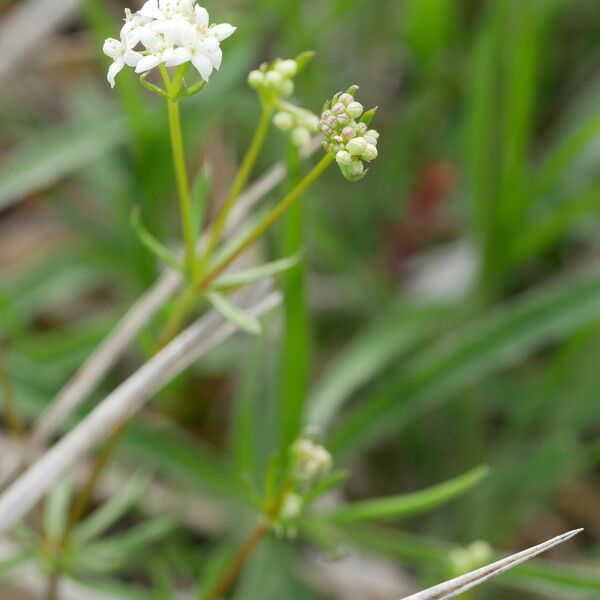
{"points": [[179, 161], [238, 185], [267, 222], [295, 353]]}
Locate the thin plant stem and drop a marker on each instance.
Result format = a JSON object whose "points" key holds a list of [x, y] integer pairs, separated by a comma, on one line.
{"points": [[238, 185], [182, 308], [267, 222], [179, 162], [229, 577], [11, 414], [295, 352]]}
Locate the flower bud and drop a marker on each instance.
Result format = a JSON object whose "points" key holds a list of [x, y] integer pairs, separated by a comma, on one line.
{"points": [[287, 68], [361, 128], [300, 137], [343, 158], [273, 79], [256, 79], [287, 87], [338, 109], [311, 122], [354, 110], [283, 121], [343, 119], [356, 146], [346, 98], [292, 507], [373, 133], [348, 133], [309, 461], [370, 140], [369, 153], [355, 171]]}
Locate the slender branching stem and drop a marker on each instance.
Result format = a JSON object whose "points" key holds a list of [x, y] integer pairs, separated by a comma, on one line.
{"points": [[179, 161], [185, 302], [238, 185], [230, 575]]}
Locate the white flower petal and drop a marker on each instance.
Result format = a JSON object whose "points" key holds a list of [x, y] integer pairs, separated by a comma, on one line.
{"points": [[209, 44], [222, 31], [132, 58], [113, 71], [203, 64], [188, 35], [150, 38], [201, 16], [216, 58], [147, 63], [113, 48], [150, 10], [173, 57]]}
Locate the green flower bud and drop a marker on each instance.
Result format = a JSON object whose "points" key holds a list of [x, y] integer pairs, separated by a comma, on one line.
{"points": [[369, 153], [287, 68], [256, 79], [354, 110], [356, 146], [287, 87], [355, 171], [273, 79], [283, 121], [343, 158], [300, 137]]}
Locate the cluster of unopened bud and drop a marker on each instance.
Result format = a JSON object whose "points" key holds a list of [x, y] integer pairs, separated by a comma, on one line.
{"points": [[309, 461], [276, 78], [345, 125], [299, 122]]}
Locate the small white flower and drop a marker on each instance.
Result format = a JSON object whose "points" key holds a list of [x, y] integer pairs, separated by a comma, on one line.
{"points": [[309, 460], [204, 52], [161, 51], [122, 54]]}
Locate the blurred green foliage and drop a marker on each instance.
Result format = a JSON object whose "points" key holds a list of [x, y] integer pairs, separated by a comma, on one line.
{"points": [[490, 138]]}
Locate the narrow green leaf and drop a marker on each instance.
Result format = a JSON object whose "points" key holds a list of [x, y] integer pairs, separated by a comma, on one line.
{"points": [[304, 59], [151, 243], [409, 505], [56, 509], [234, 314], [112, 510], [240, 278], [368, 116]]}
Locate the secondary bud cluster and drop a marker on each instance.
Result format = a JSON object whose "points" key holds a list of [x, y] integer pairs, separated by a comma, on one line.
{"points": [[274, 79], [309, 461], [345, 125], [299, 122]]}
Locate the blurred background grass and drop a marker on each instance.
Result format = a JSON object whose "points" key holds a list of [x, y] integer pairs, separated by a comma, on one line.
{"points": [[454, 294]]}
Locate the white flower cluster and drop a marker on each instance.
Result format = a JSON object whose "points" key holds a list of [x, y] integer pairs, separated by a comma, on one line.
{"points": [[299, 122], [274, 79], [167, 32], [309, 460], [350, 140]]}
